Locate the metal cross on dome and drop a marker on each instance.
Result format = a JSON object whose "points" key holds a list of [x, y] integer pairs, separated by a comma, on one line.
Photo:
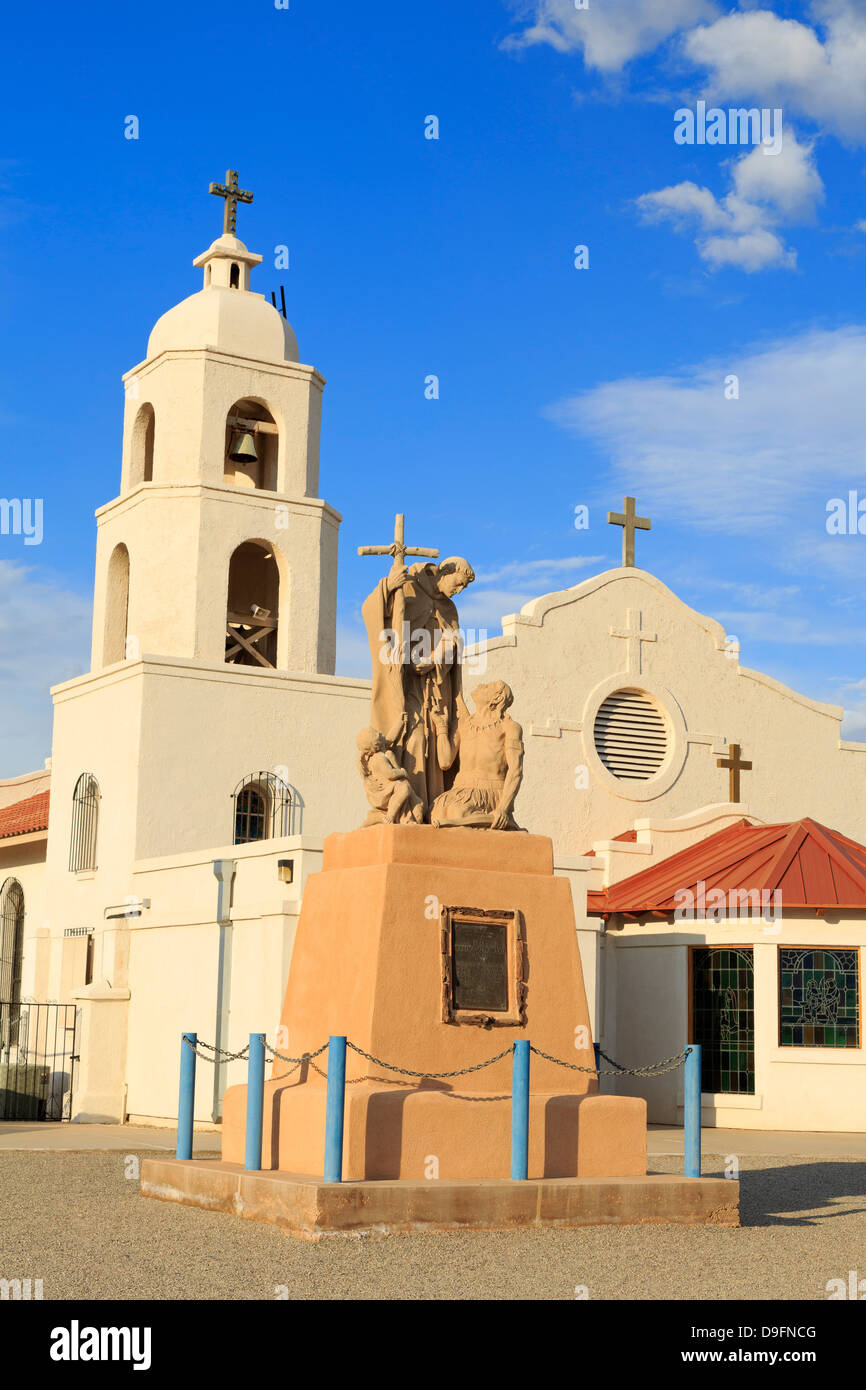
{"points": [[233, 195]]}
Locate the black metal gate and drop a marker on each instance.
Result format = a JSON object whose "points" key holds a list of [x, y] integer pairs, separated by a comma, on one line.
{"points": [[37, 1061]]}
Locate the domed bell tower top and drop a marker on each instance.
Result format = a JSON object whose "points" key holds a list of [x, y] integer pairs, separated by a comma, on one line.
{"points": [[220, 462]]}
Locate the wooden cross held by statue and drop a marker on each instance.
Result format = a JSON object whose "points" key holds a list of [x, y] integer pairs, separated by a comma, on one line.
{"points": [[399, 549], [629, 523], [735, 767], [233, 195]]}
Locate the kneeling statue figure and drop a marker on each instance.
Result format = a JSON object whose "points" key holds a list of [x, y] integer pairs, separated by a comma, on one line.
{"points": [[489, 745]]}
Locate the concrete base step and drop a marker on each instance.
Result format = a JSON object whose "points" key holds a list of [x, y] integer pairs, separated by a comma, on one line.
{"points": [[311, 1208]]}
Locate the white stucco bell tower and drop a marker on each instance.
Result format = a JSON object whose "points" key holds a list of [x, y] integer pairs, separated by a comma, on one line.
{"points": [[218, 547]]}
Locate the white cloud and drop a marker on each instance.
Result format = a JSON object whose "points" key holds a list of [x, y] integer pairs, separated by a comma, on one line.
{"points": [[765, 463], [508, 587], [787, 182], [782, 62], [496, 591], [537, 571], [610, 32], [790, 629], [854, 724], [815, 70], [757, 595], [739, 229], [44, 639], [850, 694]]}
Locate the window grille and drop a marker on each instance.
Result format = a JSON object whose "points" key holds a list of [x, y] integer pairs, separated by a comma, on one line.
{"points": [[262, 807], [85, 818], [11, 940]]}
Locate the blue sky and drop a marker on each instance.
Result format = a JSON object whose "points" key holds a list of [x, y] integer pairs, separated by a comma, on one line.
{"points": [[455, 257]]}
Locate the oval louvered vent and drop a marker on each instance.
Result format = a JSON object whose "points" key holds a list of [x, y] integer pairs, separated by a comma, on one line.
{"points": [[631, 736]]}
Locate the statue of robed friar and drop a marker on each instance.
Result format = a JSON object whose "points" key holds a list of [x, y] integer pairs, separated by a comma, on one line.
{"points": [[413, 631]]}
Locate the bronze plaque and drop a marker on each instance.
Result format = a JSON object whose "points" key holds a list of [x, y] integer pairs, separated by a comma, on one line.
{"points": [[480, 956]]}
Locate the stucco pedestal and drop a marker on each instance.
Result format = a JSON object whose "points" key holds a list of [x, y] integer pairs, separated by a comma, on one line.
{"points": [[369, 962]]}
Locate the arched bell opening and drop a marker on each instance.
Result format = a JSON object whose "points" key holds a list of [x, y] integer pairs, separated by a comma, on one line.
{"points": [[235, 276], [252, 616], [116, 607], [143, 432], [251, 446]]}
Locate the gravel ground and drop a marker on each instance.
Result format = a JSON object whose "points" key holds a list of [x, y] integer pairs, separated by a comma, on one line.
{"points": [[78, 1222]]}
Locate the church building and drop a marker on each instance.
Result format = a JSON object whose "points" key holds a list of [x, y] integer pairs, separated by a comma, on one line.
{"points": [[710, 820]]}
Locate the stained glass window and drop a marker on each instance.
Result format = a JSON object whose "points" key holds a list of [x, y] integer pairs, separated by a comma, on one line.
{"points": [[723, 1018], [819, 997]]}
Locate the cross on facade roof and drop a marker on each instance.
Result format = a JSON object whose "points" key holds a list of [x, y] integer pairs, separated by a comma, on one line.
{"points": [[634, 636], [233, 195], [398, 550], [735, 767], [629, 523]]}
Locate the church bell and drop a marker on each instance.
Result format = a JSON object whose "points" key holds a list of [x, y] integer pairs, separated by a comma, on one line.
{"points": [[243, 447]]}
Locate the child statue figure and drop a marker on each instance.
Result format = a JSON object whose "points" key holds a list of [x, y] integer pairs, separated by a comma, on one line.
{"points": [[386, 783]]}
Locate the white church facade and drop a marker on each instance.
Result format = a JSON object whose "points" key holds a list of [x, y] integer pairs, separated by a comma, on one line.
{"points": [[197, 767]]}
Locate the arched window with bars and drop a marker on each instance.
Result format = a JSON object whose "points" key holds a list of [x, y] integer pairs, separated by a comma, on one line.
{"points": [[85, 822], [262, 808], [11, 941]]}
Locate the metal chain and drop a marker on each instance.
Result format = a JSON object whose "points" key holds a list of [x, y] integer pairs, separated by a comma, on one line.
{"points": [[305, 1058], [652, 1069], [217, 1051], [433, 1075]]}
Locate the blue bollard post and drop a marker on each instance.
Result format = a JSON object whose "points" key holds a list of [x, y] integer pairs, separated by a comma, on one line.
{"points": [[520, 1111], [596, 1047], [255, 1101], [692, 1113], [334, 1109], [186, 1099]]}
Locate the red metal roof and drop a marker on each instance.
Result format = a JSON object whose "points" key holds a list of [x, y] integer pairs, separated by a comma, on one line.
{"points": [[811, 865], [25, 817]]}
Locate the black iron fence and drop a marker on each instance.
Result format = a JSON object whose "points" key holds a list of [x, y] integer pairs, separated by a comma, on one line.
{"points": [[37, 1060]]}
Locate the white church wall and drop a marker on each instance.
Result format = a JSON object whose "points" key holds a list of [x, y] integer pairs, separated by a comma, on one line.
{"points": [[206, 728], [25, 785], [560, 658], [173, 974], [796, 1088], [96, 731], [174, 957], [25, 862]]}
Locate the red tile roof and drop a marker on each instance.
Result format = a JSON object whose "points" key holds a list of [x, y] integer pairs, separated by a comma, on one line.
{"points": [[811, 865], [24, 817]]}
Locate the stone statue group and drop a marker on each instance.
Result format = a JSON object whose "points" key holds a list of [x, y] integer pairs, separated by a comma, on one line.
{"points": [[425, 759]]}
